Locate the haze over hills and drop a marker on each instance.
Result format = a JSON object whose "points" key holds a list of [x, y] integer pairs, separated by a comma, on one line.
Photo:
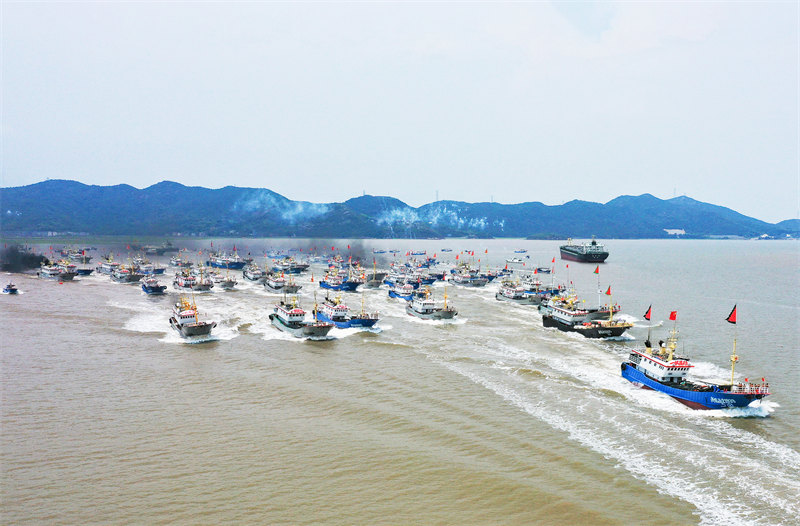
{"points": [[169, 208]]}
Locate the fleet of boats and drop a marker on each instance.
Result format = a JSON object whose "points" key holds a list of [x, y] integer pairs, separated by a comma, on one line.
{"points": [[661, 368]]}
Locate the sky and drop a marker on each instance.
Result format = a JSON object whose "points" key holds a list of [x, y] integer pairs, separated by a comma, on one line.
{"points": [[479, 101]]}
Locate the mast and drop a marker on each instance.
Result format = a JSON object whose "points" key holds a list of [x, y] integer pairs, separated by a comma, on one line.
{"points": [[732, 319]]}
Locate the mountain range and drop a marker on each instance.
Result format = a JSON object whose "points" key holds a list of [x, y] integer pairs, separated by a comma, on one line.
{"points": [[170, 208]]}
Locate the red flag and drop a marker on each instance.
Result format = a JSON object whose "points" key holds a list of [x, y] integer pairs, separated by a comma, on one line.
{"points": [[647, 314], [507, 268], [597, 270], [673, 315], [567, 265], [486, 251], [83, 252], [348, 247], [332, 249], [535, 271], [554, 259], [456, 256], [312, 278], [212, 244], [732, 316], [608, 292], [129, 247], [434, 255]]}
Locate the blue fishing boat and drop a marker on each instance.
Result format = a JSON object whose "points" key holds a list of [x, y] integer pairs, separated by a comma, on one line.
{"points": [[10, 289], [660, 369], [338, 283], [336, 312], [403, 292], [151, 286], [222, 260]]}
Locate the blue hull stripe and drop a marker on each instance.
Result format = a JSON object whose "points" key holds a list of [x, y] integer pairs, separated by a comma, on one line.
{"points": [[716, 399]]}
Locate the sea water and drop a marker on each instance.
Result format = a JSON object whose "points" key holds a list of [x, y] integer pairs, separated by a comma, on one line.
{"points": [[109, 416]]}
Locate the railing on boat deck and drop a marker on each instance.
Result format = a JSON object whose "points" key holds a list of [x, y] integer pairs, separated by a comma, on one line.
{"points": [[750, 388]]}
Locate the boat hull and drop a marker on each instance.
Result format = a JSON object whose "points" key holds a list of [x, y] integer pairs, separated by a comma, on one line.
{"points": [[84, 271], [302, 330], [572, 255], [441, 314], [350, 323], [232, 265], [346, 286], [592, 331], [712, 399], [527, 300], [393, 294], [187, 330], [154, 290]]}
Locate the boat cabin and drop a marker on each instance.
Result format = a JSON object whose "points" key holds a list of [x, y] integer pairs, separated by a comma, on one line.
{"points": [[290, 313], [661, 365]]}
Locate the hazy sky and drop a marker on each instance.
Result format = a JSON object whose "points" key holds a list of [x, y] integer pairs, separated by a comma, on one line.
{"points": [[540, 101]]}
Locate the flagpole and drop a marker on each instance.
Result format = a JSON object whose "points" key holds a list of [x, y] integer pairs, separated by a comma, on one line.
{"points": [[734, 358]]}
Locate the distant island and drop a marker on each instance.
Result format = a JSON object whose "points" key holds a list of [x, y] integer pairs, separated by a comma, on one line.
{"points": [[59, 207]]}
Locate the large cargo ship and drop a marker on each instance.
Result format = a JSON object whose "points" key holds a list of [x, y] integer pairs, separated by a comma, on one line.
{"points": [[591, 252]]}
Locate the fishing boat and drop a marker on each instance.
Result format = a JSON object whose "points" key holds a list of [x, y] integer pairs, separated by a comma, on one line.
{"points": [[107, 265], [185, 320], [290, 266], [125, 274], [543, 270], [291, 286], [225, 282], [422, 305], [520, 251], [289, 317], [339, 283], [185, 280], [466, 279], [590, 252], [253, 272], [151, 286], [333, 310], [178, 261], [10, 288], [567, 317], [403, 292], [275, 283], [56, 272], [662, 369], [513, 260], [147, 267], [230, 261], [514, 292]]}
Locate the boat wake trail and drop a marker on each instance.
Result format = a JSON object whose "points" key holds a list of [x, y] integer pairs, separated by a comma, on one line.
{"points": [[696, 456]]}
